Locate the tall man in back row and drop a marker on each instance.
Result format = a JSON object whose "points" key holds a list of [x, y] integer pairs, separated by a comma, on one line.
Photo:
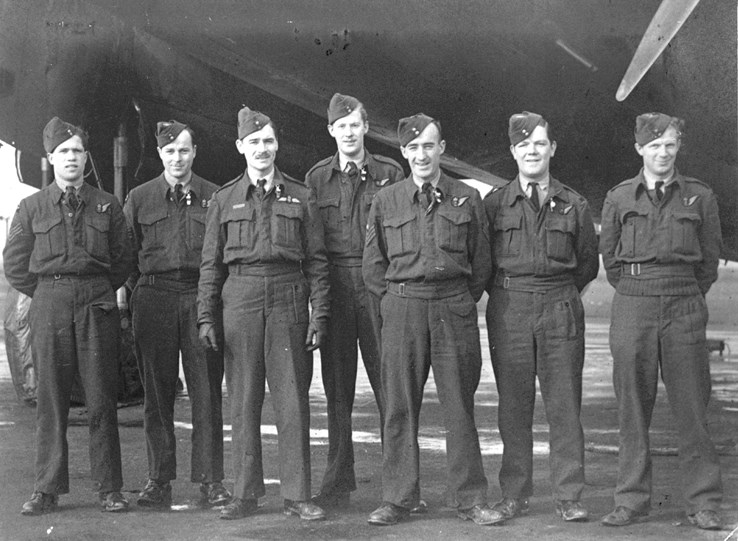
{"points": [[544, 251], [427, 258], [68, 248], [167, 218], [345, 185], [660, 245]]}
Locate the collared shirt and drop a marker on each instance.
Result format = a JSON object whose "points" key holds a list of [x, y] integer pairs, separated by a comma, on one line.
{"points": [[682, 228], [63, 184], [344, 206], [245, 230], [343, 161], [47, 238], [167, 235], [559, 240], [542, 188], [405, 243], [269, 180]]}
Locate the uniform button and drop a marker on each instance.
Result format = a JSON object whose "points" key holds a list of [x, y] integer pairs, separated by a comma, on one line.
{"points": [[70, 214]]}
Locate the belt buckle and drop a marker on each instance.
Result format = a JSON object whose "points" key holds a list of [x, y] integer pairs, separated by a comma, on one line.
{"points": [[635, 269], [401, 289], [506, 282]]}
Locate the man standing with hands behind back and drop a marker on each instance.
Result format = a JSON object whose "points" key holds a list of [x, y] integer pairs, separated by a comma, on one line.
{"points": [[660, 245], [544, 251], [68, 248], [167, 218], [345, 185], [427, 257]]}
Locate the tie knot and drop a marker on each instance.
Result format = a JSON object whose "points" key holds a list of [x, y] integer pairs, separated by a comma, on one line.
{"points": [[427, 187], [534, 200], [352, 169], [71, 195], [261, 183]]}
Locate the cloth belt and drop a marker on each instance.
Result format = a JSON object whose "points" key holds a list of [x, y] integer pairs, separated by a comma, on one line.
{"points": [[428, 290], [185, 276], [70, 276], [346, 262], [532, 284], [264, 269], [656, 270]]}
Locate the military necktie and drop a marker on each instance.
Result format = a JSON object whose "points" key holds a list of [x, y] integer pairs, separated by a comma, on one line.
{"points": [[178, 193], [351, 169], [261, 184], [72, 199], [428, 192], [657, 191], [534, 196]]}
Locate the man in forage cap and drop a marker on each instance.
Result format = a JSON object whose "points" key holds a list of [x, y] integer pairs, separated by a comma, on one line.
{"points": [[68, 248], [345, 185], [427, 257], [660, 245], [167, 218], [544, 250], [263, 259]]}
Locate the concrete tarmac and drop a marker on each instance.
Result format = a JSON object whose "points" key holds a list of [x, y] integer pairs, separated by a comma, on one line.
{"points": [[79, 517]]}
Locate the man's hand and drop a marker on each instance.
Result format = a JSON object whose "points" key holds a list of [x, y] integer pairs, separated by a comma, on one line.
{"points": [[317, 331], [207, 336]]}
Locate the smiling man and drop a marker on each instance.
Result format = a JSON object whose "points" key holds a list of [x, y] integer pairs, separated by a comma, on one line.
{"points": [[544, 251], [660, 246], [345, 185], [263, 260], [68, 248], [427, 258], [167, 218]]}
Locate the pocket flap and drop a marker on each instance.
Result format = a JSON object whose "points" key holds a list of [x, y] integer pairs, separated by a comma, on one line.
{"points": [[43, 226], [453, 215], [328, 203], [506, 222], [239, 214], [398, 221], [151, 217]]}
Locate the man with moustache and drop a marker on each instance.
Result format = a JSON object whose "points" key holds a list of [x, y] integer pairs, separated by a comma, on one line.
{"points": [[427, 257], [68, 248], [544, 252], [660, 245], [167, 218], [345, 185], [263, 258]]}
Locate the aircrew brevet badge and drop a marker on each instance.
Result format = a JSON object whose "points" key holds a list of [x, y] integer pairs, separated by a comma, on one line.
{"points": [[689, 201], [458, 201], [567, 209], [102, 207], [382, 182], [205, 203]]}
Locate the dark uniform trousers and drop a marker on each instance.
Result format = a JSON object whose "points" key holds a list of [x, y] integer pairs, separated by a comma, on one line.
{"points": [[354, 313], [265, 323], [165, 323], [669, 333], [74, 327], [538, 333], [435, 322]]}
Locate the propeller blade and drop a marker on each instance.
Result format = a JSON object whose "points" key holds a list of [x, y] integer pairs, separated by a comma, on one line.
{"points": [[667, 21]]}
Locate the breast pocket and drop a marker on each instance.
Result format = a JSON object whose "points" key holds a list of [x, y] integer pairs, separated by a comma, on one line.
{"points": [[96, 231], [507, 236], [685, 233], [286, 227], [196, 232], [452, 229], [240, 229], [49, 235], [401, 233], [560, 232], [633, 233], [152, 228]]}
